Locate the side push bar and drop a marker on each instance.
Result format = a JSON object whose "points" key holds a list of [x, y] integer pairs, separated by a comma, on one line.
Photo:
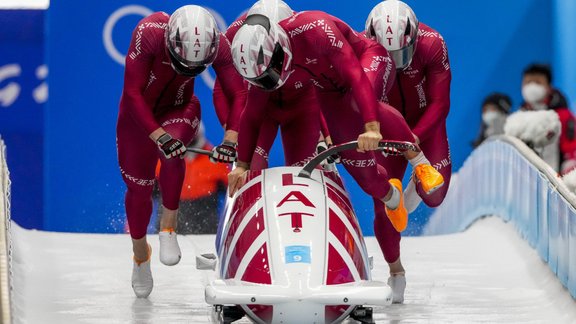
{"points": [[391, 148]]}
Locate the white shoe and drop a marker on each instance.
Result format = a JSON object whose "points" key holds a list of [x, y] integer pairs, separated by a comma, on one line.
{"points": [[398, 284], [411, 197], [142, 281], [169, 250], [206, 261]]}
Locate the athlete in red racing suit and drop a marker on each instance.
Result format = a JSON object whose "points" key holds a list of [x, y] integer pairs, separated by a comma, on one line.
{"points": [[159, 115]]}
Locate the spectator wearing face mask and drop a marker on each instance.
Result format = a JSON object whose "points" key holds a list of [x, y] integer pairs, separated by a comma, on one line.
{"points": [[495, 109], [539, 94]]}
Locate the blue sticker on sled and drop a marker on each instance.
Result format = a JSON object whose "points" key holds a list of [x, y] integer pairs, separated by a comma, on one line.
{"points": [[298, 254]]}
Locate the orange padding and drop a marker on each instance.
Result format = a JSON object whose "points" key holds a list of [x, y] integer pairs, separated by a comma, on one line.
{"points": [[139, 262]]}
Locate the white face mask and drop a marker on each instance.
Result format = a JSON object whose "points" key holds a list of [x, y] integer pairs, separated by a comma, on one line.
{"points": [[490, 117], [534, 92]]}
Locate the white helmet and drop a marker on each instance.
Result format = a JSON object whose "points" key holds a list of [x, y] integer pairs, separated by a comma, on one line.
{"points": [[262, 53], [192, 39], [275, 10], [394, 25]]}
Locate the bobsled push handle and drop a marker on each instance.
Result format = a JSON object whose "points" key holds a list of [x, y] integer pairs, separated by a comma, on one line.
{"points": [[198, 151], [387, 147]]}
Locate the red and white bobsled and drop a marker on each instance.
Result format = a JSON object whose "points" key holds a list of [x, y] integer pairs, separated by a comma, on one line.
{"points": [[290, 250]]}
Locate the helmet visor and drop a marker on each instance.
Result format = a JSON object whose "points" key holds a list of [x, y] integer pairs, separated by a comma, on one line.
{"points": [[403, 57], [274, 76], [189, 70]]}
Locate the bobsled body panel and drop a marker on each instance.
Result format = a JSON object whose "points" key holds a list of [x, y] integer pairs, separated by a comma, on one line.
{"points": [[292, 242]]}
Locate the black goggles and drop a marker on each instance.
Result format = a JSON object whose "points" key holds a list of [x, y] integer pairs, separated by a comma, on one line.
{"points": [[270, 78]]}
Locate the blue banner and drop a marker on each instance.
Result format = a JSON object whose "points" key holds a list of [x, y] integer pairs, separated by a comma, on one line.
{"points": [[23, 92], [87, 41]]}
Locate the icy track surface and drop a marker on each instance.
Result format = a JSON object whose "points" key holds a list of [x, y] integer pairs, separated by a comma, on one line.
{"points": [[485, 275]]}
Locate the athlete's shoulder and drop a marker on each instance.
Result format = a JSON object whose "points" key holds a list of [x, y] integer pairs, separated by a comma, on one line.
{"points": [[224, 55], [432, 47], [233, 28], [148, 35], [157, 20], [307, 23], [304, 17], [428, 35]]}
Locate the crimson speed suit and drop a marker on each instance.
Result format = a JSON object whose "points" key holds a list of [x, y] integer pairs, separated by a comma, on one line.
{"points": [[421, 93], [344, 66], [339, 100], [155, 96], [269, 126]]}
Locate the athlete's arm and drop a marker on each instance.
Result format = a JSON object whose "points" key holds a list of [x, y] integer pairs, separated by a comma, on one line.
{"points": [[342, 57], [252, 117], [251, 120], [137, 71], [438, 78], [221, 103], [233, 86]]}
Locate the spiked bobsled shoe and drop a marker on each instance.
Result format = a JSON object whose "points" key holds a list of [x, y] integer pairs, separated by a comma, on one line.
{"points": [[399, 216], [169, 250], [430, 179], [142, 282], [398, 284]]}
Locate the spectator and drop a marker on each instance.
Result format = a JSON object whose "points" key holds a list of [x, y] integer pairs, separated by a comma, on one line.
{"points": [[203, 189], [495, 109], [539, 94]]}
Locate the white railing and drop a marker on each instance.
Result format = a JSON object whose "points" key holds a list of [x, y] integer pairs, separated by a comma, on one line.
{"points": [[506, 178], [24, 4], [5, 255]]}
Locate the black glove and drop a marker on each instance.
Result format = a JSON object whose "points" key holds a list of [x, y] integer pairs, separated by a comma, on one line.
{"points": [[171, 147], [225, 152], [321, 147]]}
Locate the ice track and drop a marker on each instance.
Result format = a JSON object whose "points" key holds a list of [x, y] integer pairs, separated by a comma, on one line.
{"points": [[484, 275]]}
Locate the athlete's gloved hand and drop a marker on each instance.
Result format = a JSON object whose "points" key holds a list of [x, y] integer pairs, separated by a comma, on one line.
{"points": [[171, 147], [225, 152], [321, 147]]}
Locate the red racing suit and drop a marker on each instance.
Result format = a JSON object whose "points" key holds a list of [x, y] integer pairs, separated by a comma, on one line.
{"points": [[421, 93], [155, 96], [338, 61], [269, 127]]}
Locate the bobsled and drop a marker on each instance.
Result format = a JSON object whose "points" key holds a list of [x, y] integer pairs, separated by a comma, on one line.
{"points": [[290, 250]]}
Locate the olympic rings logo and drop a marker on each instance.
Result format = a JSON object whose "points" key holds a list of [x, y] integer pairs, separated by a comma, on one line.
{"points": [[138, 10]]}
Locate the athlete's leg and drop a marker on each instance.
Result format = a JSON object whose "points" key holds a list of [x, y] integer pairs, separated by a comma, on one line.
{"points": [[437, 150], [388, 237], [137, 157], [393, 126], [345, 124], [300, 128], [183, 125], [268, 131]]}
